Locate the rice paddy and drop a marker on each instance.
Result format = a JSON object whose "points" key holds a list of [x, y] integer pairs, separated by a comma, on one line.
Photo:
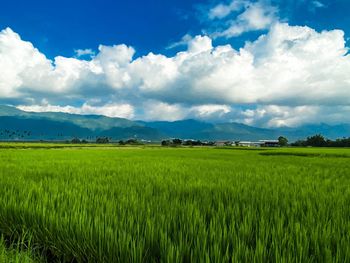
{"points": [[154, 204], [13, 254]]}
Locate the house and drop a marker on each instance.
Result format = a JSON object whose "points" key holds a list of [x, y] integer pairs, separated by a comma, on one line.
{"points": [[249, 144], [269, 143], [261, 143], [223, 143]]}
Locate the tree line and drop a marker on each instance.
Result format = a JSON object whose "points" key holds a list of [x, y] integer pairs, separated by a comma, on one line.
{"points": [[179, 142], [320, 141], [106, 140]]}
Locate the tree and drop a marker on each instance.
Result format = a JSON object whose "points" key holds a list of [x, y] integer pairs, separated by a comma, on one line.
{"points": [[166, 143], [188, 143], [177, 142], [282, 141], [299, 143], [316, 141], [102, 140], [75, 141], [132, 142], [228, 143]]}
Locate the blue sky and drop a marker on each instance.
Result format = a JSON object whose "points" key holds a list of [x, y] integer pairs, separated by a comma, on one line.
{"points": [[168, 60], [59, 27]]}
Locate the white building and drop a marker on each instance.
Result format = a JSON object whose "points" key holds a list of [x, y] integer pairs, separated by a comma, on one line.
{"points": [[249, 144], [261, 143], [269, 143]]}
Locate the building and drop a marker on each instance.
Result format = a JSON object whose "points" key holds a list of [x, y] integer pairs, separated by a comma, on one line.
{"points": [[223, 143], [248, 144], [269, 143], [261, 143]]}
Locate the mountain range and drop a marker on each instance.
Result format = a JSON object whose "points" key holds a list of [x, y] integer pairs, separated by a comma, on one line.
{"points": [[20, 125]]}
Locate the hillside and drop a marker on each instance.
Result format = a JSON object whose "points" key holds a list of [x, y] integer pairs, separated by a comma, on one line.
{"points": [[19, 125]]}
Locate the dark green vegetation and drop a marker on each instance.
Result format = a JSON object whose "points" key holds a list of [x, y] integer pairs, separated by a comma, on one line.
{"points": [[134, 204], [320, 141], [282, 141], [28, 126], [179, 142], [14, 254]]}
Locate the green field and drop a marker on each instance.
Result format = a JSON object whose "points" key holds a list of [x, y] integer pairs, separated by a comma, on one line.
{"points": [[14, 254], [153, 204]]}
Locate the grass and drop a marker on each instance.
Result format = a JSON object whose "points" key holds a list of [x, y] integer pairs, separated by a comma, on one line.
{"points": [[322, 153], [14, 254], [177, 204], [48, 146]]}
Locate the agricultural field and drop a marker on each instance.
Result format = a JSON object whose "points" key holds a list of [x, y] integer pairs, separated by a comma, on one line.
{"points": [[154, 204], [14, 254]]}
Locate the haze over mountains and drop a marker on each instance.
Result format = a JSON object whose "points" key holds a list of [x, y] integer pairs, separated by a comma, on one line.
{"points": [[20, 125]]}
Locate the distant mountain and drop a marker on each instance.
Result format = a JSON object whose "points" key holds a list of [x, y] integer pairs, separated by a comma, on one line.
{"points": [[243, 132], [92, 122], [19, 128], [186, 129], [328, 131], [19, 125], [11, 111], [145, 133], [193, 129]]}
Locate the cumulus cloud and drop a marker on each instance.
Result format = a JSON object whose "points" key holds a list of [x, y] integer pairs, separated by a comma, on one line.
{"points": [[210, 111], [109, 110], [248, 16], [161, 111], [315, 5], [84, 52], [221, 10], [318, 4], [286, 77], [183, 42], [18, 61], [287, 116]]}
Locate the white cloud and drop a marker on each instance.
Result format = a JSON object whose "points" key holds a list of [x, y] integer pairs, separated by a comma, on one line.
{"points": [[318, 4], [109, 110], [256, 16], [278, 116], [183, 42], [210, 111], [161, 111], [282, 116], [200, 44], [297, 65], [18, 61], [221, 11], [84, 52], [292, 68]]}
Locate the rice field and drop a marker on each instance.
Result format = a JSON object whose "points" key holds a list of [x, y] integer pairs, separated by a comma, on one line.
{"points": [[153, 204], [13, 254]]}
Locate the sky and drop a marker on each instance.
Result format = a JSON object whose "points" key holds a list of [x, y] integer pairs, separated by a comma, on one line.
{"points": [[266, 63]]}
